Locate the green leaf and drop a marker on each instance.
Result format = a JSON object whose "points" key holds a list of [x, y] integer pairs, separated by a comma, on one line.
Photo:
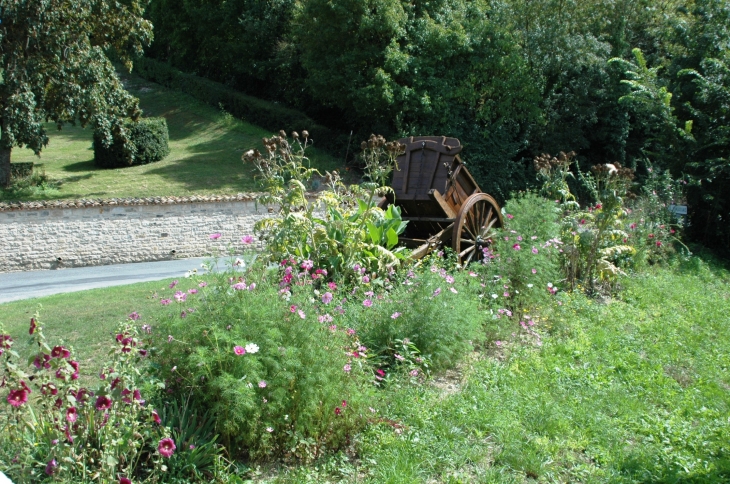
{"points": [[392, 238]]}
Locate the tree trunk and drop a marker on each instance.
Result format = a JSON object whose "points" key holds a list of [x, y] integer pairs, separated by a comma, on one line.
{"points": [[4, 167]]}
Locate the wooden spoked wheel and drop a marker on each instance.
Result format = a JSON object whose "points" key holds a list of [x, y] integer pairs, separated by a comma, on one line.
{"points": [[475, 227]]}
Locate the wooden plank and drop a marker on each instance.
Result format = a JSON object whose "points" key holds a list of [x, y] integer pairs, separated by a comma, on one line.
{"points": [[439, 199], [430, 219]]}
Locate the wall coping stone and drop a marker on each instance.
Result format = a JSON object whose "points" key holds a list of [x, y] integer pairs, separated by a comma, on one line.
{"points": [[113, 202]]}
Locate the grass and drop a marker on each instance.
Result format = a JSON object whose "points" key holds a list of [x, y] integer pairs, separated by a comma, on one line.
{"points": [[636, 389], [206, 145]]}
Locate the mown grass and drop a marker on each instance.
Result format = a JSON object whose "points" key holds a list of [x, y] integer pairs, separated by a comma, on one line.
{"points": [[206, 145], [635, 389]]}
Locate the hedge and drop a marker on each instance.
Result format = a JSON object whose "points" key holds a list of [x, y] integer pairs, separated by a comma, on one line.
{"points": [[148, 143], [256, 111]]}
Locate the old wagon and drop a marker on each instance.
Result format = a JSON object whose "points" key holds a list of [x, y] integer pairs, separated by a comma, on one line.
{"points": [[441, 201]]}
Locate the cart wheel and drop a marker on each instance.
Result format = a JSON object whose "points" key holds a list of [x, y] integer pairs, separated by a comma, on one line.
{"points": [[475, 227]]}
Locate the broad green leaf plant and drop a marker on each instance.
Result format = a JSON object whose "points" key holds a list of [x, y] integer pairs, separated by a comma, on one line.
{"points": [[338, 227]]}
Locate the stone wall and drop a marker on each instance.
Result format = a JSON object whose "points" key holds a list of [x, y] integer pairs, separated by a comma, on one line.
{"points": [[53, 235]]}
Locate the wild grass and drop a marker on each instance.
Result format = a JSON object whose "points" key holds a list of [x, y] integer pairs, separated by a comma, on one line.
{"points": [[206, 145]]}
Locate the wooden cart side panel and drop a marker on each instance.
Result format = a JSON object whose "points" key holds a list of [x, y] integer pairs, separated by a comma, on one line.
{"points": [[421, 167]]}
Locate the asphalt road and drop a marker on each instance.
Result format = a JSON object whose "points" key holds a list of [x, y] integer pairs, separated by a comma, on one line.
{"points": [[25, 285]]}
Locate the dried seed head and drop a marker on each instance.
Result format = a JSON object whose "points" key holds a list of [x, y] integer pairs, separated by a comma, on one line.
{"points": [[295, 135], [282, 133], [305, 133], [364, 145]]}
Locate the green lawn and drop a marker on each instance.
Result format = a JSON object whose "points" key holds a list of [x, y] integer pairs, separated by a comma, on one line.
{"points": [[636, 389], [205, 154]]}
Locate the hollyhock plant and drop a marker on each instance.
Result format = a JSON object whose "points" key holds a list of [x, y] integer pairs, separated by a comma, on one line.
{"points": [[19, 397], [103, 402], [166, 447]]}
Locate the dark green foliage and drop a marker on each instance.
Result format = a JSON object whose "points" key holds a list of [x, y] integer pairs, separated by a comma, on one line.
{"points": [[638, 82], [146, 143]]}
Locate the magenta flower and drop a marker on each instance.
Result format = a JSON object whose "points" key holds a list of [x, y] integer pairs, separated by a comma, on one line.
{"points": [[239, 350], [173, 284], [395, 315], [125, 480], [156, 417], [534, 271], [240, 286], [192, 291], [16, 398], [51, 467], [60, 352], [134, 316], [167, 447], [332, 286], [365, 279], [510, 216], [33, 326], [71, 414], [534, 250], [165, 302], [215, 236], [327, 297], [347, 368], [516, 247], [247, 239], [103, 403], [367, 303], [262, 384]]}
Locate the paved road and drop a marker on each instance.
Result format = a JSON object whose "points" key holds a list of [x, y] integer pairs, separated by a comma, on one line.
{"points": [[24, 285]]}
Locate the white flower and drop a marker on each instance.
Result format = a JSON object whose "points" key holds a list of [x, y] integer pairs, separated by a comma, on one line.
{"points": [[239, 263], [252, 348], [529, 285], [494, 296]]}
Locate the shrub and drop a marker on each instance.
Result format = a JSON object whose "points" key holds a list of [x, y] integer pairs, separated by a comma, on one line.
{"points": [[147, 143], [272, 375], [21, 170]]}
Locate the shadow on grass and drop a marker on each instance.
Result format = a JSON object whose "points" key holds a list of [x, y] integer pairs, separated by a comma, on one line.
{"points": [[81, 166]]}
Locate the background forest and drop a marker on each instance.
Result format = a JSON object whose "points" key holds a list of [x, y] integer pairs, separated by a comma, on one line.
{"points": [[645, 83]]}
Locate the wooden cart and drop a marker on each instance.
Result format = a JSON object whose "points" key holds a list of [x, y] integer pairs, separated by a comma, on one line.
{"points": [[441, 201]]}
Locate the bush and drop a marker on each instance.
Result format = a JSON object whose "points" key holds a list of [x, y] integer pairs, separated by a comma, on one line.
{"points": [[21, 170], [147, 143], [269, 371]]}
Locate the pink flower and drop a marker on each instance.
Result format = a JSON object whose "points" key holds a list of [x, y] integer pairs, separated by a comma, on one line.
{"points": [[658, 243], [399, 357], [247, 239], [71, 414], [651, 236], [367, 303], [202, 284], [16, 398], [51, 467], [365, 279], [534, 271], [516, 247], [192, 291], [395, 315], [262, 384], [180, 296], [437, 292], [134, 316], [307, 265], [239, 350], [449, 279], [327, 297], [292, 308], [337, 411], [156, 417], [170, 338], [510, 216], [453, 289], [498, 343], [506, 294], [167, 447], [215, 236], [519, 237], [173, 284], [125, 480], [240, 286], [534, 250], [103, 403], [301, 314], [347, 368], [632, 226], [165, 302], [332, 286]]}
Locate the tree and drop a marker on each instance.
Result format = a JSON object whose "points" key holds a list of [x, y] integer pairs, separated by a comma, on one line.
{"points": [[55, 67]]}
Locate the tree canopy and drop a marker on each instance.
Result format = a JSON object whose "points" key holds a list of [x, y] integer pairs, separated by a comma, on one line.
{"points": [[55, 66]]}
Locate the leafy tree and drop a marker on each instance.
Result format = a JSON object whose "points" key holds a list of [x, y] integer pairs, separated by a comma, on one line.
{"points": [[55, 65]]}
